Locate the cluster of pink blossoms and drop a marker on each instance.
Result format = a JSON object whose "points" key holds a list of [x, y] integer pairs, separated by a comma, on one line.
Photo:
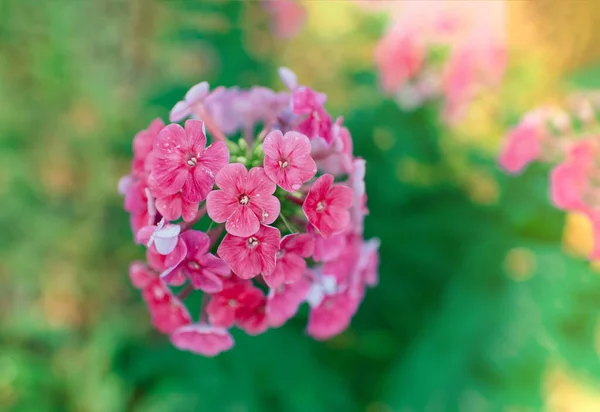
{"points": [[441, 49], [285, 201], [568, 138]]}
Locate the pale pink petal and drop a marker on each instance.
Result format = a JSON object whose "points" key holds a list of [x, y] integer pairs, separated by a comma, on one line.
{"points": [[220, 205], [202, 339], [197, 93], [180, 111], [288, 77], [243, 222]]}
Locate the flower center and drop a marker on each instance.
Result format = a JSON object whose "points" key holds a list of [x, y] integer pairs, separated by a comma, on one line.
{"points": [[194, 265], [192, 161], [321, 206], [232, 303], [252, 242], [283, 164], [244, 199]]}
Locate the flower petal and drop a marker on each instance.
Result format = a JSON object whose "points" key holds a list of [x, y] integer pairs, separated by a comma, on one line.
{"points": [[242, 222], [220, 205]]}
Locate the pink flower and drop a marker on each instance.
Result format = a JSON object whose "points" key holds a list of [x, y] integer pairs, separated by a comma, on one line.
{"points": [[283, 301], [326, 206], [368, 263], [199, 94], [327, 249], [164, 264], [569, 180], [236, 293], [163, 236], [142, 146], [523, 144], [140, 275], [287, 159], [332, 316], [399, 56], [288, 17], [290, 259], [204, 270], [335, 158], [245, 200], [251, 317], [181, 162], [318, 123], [140, 204], [251, 255], [171, 207], [202, 339], [167, 312]]}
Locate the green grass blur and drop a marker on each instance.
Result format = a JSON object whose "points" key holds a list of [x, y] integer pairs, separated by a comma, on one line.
{"points": [[477, 302]]}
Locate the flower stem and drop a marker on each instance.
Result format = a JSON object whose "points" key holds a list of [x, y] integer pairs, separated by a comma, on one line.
{"points": [[288, 225], [185, 292], [210, 124]]}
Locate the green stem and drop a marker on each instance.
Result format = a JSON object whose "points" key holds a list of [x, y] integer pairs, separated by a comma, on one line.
{"points": [[287, 224]]}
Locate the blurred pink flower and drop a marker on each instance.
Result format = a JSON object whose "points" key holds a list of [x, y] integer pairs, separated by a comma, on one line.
{"points": [[290, 265], [284, 300], [167, 312], [202, 339], [523, 144]]}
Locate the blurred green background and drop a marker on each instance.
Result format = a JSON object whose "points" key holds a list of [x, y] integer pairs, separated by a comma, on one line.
{"points": [[481, 307]]}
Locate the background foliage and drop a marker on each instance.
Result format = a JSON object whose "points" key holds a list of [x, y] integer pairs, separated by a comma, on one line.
{"points": [[479, 307]]}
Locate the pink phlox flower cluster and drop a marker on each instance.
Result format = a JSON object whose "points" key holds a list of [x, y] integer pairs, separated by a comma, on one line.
{"points": [[257, 224], [447, 50], [568, 138]]}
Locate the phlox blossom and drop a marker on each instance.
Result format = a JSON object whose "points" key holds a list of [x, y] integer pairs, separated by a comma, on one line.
{"points": [[251, 255], [204, 270], [182, 162], [326, 205], [287, 159], [245, 200]]}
